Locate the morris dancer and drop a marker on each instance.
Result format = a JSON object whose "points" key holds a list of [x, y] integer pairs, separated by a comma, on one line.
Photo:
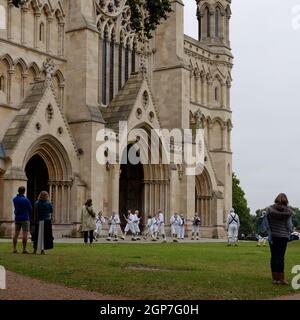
{"points": [[114, 222], [99, 225], [233, 225], [196, 226], [175, 223], [130, 225]]}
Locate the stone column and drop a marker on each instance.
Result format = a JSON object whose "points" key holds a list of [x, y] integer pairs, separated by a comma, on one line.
{"points": [[9, 84], [224, 137], [23, 24], [115, 186], [229, 129], [223, 95], [227, 29], [9, 20], [199, 89], [202, 90], [192, 86], [24, 77], [228, 95], [36, 28], [209, 92]]}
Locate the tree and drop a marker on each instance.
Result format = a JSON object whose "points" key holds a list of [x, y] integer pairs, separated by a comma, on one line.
{"points": [[146, 15], [155, 11], [240, 206], [296, 218]]}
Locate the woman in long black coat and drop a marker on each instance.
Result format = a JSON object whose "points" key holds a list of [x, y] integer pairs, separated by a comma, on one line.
{"points": [[43, 209]]}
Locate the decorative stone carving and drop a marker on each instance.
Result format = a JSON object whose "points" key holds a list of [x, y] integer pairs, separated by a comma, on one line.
{"points": [[48, 66]]}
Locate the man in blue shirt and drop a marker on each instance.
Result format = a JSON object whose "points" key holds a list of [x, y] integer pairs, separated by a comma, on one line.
{"points": [[23, 209]]}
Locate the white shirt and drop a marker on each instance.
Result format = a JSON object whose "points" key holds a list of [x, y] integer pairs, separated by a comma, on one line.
{"points": [[162, 218]]}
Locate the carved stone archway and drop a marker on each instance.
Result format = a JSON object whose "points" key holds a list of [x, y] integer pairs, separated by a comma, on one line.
{"points": [[56, 159], [204, 198]]}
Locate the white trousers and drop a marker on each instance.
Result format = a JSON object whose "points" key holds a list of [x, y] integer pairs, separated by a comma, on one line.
{"points": [[175, 230], [98, 229], [233, 232], [130, 227], [136, 228], [181, 232], [162, 229], [113, 230]]}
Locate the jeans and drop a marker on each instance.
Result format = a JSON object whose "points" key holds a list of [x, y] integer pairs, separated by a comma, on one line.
{"points": [[278, 249], [88, 234]]}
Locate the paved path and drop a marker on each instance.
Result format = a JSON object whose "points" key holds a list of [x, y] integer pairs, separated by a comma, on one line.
{"points": [[25, 288]]}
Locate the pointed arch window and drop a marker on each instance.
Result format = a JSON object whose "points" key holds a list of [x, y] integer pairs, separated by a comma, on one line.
{"points": [[216, 94], [104, 63], [133, 60], [217, 23], [127, 63], [208, 23], [42, 32], [111, 69], [199, 25], [2, 83], [120, 70]]}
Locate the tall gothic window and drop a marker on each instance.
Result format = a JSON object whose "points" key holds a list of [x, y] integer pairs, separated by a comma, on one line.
{"points": [[104, 63], [41, 32], [111, 70], [120, 72], [216, 93], [127, 63], [217, 22], [199, 26], [2, 83], [208, 22], [133, 61]]}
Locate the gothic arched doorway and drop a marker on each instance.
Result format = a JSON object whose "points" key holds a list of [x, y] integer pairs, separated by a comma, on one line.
{"points": [[203, 201], [38, 177], [131, 191], [48, 168]]}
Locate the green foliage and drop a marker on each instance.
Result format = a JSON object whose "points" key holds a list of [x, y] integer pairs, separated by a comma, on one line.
{"points": [[156, 11], [240, 206], [296, 218]]}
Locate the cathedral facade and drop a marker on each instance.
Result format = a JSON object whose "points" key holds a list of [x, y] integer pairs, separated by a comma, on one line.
{"points": [[69, 68]]}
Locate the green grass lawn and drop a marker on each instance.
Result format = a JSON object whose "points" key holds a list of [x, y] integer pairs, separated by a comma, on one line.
{"points": [[158, 271]]}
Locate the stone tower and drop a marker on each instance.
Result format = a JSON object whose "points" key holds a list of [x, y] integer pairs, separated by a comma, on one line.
{"points": [[214, 34], [214, 23]]}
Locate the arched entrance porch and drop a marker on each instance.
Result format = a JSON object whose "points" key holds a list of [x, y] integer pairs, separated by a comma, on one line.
{"points": [[144, 187], [48, 167], [203, 199]]}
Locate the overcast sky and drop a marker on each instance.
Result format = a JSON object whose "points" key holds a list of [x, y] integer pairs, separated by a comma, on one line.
{"points": [[265, 38]]}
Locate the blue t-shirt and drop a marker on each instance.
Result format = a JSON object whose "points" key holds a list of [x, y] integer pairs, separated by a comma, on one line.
{"points": [[23, 208]]}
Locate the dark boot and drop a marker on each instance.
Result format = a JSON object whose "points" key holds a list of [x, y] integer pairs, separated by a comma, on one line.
{"points": [[275, 277], [281, 279]]}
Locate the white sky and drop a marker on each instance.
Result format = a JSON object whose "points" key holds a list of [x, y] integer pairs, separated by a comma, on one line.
{"points": [[265, 37]]}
